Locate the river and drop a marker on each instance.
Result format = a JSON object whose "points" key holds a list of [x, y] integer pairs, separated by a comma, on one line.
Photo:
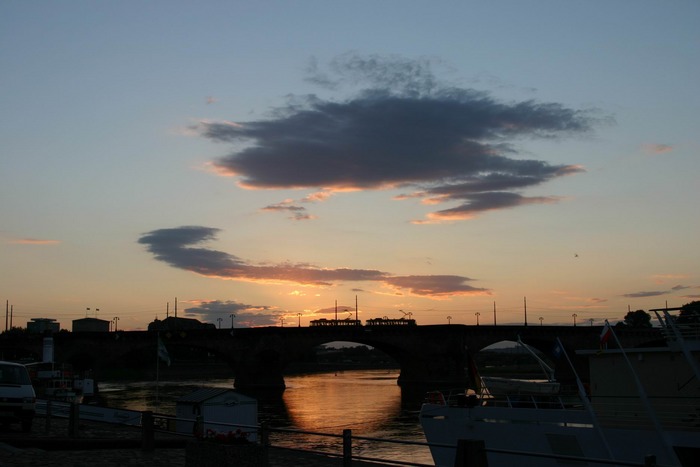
{"points": [[369, 402]]}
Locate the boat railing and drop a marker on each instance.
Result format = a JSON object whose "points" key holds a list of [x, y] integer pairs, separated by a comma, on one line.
{"points": [[462, 398]]}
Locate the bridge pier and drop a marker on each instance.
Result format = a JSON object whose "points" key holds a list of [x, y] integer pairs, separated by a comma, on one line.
{"points": [[258, 379]]}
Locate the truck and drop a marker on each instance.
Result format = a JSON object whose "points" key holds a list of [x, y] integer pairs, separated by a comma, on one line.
{"points": [[17, 396]]}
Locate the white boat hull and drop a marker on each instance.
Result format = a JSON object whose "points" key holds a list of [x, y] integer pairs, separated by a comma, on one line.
{"points": [[568, 432]]}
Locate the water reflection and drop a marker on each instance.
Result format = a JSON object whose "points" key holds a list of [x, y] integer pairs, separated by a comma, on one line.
{"points": [[361, 401], [369, 402]]}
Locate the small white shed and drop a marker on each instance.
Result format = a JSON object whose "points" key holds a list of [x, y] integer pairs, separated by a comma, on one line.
{"points": [[222, 410]]}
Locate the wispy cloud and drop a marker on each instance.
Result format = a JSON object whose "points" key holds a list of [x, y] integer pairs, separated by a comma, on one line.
{"points": [[179, 247], [244, 315], [402, 129], [662, 278], [643, 294], [296, 212], [656, 293], [656, 148], [33, 241]]}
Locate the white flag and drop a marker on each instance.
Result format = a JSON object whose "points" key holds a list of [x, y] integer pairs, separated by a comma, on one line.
{"points": [[163, 352]]}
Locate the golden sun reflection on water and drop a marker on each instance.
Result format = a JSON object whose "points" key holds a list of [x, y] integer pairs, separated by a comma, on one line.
{"points": [[363, 402]]}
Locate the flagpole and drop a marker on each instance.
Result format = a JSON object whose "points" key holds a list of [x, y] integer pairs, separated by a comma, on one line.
{"points": [[157, 363]]}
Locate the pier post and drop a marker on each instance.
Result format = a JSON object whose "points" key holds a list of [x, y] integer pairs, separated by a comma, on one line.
{"points": [[73, 420], [47, 426], [264, 442], [471, 453], [347, 448], [147, 431]]}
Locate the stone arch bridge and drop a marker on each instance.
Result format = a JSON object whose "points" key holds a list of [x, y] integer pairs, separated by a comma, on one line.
{"points": [[432, 355]]}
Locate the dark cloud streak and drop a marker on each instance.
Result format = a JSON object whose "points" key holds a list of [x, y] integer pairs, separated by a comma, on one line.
{"points": [[178, 248]]}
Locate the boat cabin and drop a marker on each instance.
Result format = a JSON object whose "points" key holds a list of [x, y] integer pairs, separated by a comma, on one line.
{"points": [[222, 411]]}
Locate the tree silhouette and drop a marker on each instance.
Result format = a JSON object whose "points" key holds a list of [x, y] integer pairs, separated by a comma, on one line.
{"points": [[638, 319], [690, 313]]}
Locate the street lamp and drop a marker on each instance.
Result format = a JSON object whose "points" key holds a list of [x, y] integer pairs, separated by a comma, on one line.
{"points": [[219, 320], [477, 317], [591, 320], [232, 316], [116, 319], [449, 318], [282, 321], [299, 316], [574, 316], [541, 319]]}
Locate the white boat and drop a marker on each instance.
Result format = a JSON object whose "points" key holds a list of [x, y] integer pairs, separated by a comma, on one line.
{"points": [[495, 385], [498, 385], [60, 382], [639, 402]]}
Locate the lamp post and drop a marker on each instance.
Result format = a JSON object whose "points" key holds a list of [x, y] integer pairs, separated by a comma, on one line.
{"points": [[574, 316], [232, 316], [541, 319], [477, 317], [282, 321], [116, 319], [591, 321], [299, 317], [219, 320], [449, 320]]}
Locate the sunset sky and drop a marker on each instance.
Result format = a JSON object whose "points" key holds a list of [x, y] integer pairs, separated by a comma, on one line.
{"points": [[269, 159]]}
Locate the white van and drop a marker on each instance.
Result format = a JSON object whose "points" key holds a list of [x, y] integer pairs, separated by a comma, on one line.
{"points": [[17, 397]]}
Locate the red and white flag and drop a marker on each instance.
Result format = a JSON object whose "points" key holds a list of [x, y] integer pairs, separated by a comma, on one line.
{"points": [[605, 334]]}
